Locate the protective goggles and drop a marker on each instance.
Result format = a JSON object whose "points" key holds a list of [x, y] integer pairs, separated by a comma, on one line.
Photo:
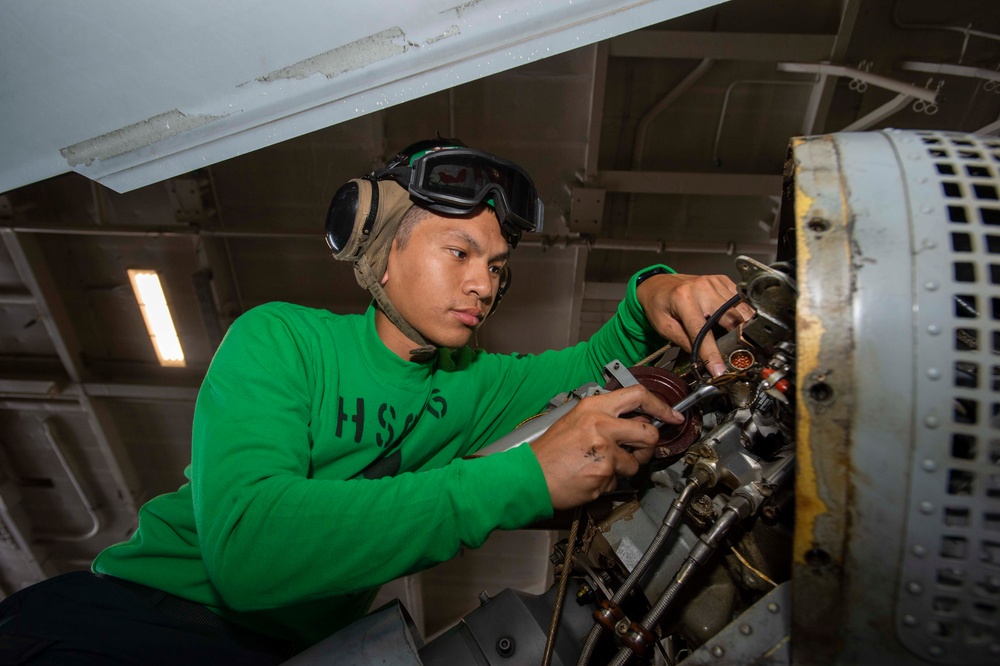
{"points": [[457, 180]]}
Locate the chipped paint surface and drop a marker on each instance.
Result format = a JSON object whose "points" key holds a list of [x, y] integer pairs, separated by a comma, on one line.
{"points": [[809, 331], [450, 31], [253, 89], [355, 55], [825, 344], [824, 395], [459, 9], [132, 137]]}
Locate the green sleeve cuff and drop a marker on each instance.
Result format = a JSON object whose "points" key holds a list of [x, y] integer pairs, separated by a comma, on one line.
{"points": [[630, 306], [508, 489]]}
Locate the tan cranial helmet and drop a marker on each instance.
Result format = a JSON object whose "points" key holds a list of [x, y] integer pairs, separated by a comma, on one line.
{"points": [[443, 176], [361, 225]]}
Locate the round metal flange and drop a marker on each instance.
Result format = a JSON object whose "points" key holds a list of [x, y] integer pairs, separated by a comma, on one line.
{"points": [[668, 387]]}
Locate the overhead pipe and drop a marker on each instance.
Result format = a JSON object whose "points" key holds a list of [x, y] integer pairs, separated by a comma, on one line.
{"points": [[11, 535], [544, 241], [730, 248], [954, 70], [10, 532], [923, 94], [968, 31], [25, 256], [639, 145], [72, 469], [180, 231], [20, 404], [725, 105]]}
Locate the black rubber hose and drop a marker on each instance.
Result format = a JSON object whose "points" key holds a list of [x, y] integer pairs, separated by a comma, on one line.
{"points": [[709, 323]]}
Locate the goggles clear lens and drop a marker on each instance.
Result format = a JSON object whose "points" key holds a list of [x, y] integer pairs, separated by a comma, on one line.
{"points": [[456, 180]]}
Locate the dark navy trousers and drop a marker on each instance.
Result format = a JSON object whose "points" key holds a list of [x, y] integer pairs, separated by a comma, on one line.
{"points": [[84, 618]]}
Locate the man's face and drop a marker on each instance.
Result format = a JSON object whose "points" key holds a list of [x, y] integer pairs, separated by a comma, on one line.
{"points": [[445, 278]]}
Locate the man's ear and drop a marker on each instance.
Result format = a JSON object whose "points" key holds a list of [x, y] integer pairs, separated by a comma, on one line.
{"points": [[388, 260]]}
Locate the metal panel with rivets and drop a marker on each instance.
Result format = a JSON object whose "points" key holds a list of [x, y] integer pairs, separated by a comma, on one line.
{"points": [[897, 550]]}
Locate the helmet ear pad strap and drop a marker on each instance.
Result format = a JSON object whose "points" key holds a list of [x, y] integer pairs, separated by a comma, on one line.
{"points": [[360, 226]]}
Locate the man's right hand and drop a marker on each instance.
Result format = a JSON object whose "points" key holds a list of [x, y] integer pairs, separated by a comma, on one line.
{"points": [[582, 453]]}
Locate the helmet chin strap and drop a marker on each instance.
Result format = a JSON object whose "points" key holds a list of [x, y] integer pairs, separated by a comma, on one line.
{"points": [[366, 276]]}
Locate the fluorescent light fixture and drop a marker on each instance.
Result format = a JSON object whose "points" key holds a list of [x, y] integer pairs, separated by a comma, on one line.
{"points": [[152, 302]]}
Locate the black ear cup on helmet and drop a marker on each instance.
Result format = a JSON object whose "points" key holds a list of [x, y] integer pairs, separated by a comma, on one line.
{"points": [[351, 217]]}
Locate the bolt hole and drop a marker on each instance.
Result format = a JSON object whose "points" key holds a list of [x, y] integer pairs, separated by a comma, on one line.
{"points": [[820, 392], [817, 557], [818, 225]]}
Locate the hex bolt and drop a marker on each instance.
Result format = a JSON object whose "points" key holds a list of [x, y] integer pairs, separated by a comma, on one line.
{"points": [[505, 647]]}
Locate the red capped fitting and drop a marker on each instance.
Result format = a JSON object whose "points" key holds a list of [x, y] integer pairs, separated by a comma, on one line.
{"points": [[779, 383]]}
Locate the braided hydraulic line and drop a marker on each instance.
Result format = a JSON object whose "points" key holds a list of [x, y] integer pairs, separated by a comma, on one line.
{"points": [[611, 610], [640, 636], [745, 502]]}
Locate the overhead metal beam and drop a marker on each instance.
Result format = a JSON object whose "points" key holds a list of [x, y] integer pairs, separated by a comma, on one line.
{"points": [[33, 269], [596, 117], [767, 47], [667, 182], [8, 297], [59, 391], [819, 104], [992, 128], [897, 103], [30, 265]]}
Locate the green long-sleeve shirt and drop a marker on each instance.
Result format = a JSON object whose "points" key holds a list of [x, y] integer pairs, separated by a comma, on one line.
{"points": [[282, 527]]}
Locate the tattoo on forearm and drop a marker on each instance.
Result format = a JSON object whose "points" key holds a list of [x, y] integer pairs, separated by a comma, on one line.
{"points": [[592, 453]]}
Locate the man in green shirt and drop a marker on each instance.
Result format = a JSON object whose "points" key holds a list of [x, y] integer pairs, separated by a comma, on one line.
{"points": [[331, 453]]}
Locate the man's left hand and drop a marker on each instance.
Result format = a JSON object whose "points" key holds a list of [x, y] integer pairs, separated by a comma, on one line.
{"points": [[678, 305]]}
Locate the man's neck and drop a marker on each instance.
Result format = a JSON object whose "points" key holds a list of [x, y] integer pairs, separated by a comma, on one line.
{"points": [[398, 343]]}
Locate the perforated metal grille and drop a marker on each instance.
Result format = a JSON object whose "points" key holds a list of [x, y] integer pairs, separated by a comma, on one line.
{"points": [[949, 596]]}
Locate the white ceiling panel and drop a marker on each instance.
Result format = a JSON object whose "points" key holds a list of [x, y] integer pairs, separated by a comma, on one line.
{"points": [[130, 95]]}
